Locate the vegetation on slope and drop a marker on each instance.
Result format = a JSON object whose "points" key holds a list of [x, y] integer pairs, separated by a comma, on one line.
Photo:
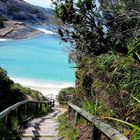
{"points": [[66, 94], [105, 45], [11, 93]]}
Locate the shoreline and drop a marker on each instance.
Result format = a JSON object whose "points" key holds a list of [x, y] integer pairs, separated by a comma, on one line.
{"points": [[45, 87], [38, 32], [14, 30]]}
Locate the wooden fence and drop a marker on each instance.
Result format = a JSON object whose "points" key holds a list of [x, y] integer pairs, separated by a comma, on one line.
{"points": [[24, 106], [98, 127]]}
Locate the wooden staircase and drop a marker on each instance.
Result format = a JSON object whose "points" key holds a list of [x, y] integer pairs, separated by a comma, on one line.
{"points": [[45, 128], [42, 128]]}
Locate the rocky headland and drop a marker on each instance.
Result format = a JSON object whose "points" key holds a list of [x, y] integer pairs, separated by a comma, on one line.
{"points": [[14, 14], [17, 30]]}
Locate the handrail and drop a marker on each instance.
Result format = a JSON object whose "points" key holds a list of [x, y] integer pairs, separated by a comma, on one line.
{"points": [[15, 106], [105, 128], [20, 107]]}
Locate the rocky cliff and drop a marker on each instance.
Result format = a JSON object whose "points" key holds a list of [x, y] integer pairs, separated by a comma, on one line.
{"points": [[14, 14], [17, 30], [20, 10]]}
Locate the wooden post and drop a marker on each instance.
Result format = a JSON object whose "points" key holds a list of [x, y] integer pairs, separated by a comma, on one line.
{"points": [[23, 109], [45, 105], [48, 103], [95, 133], [53, 103], [19, 114], [8, 121], [36, 109], [27, 109], [75, 120], [40, 106], [69, 110]]}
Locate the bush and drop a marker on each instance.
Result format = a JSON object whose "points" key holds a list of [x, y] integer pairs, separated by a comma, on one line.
{"points": [[11, 93], [65, 128], [66, 94], [114, 81]]}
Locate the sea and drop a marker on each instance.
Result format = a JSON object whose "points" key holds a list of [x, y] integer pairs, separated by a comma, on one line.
{"points": [[40, 60]]}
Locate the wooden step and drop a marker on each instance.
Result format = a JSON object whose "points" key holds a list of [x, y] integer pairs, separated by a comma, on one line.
{"points": [[49, 138], [42, 128], [42, 133]]}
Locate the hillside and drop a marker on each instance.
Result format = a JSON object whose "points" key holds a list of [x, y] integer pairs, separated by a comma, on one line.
{"points": [[105, 40], [11, 93], [20, 10], [15, 14]]}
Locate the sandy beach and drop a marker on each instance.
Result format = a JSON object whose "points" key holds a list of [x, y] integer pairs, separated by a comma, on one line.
{"points": [[46, 88]]}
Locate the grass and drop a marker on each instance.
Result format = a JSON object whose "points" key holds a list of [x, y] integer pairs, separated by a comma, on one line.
{"points": [[97, 109], [65, 128]]}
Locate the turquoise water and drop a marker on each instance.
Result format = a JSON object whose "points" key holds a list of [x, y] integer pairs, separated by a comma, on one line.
{"points": [[38, 58]]}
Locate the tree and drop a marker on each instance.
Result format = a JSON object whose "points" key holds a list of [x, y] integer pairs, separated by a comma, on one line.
{"points": [[94, 29]]}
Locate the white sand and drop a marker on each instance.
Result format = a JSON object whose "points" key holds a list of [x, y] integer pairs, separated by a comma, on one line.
{"points": [[46, 88]]}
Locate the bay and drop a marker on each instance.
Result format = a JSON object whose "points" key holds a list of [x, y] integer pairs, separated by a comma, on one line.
{"points": [[41, 58]]}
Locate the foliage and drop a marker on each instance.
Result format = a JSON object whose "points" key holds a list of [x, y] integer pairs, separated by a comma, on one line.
{"points": [[115, 79], [36, 95], [11, 93], [104, 38], [136, 136], [65, 128], [66, 94], [114, 87], [99, 109], [134, 49], [97, 28]]}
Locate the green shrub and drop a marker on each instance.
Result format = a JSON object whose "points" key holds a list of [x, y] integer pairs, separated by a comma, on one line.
{"points": [[65, 128], [11, 93], [66, 94], [114, 81]]}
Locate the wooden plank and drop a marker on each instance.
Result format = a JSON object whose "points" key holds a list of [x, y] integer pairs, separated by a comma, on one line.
{"points": [[105, 128]]}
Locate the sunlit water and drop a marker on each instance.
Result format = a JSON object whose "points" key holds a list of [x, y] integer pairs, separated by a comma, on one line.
{"points": [[41, 58]]}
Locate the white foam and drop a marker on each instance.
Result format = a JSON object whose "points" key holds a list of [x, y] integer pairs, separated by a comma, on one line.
{"points": [[46, 87], [2, 39], [46, 31]]}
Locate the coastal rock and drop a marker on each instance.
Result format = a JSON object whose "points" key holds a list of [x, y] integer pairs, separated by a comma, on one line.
{"points": [[15, 14], [20, 10], [17, 30]]}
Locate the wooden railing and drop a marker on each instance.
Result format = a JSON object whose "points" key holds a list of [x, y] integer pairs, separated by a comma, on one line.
{"points": [[99, 128], [63, 104], [27, 107]]}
